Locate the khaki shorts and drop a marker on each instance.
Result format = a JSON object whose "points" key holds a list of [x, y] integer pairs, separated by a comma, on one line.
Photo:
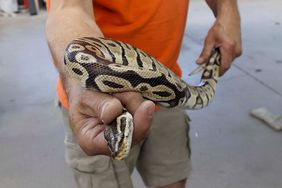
{"points": [[163, 158]]}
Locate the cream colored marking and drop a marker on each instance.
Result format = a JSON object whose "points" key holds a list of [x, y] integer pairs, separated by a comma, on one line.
{"points": [[127, 139], [203, 96], [192, 100], [107, 89], [79, 57], [96, 50], [206, 74], [209, 67], [81, 78], [147, 62], [119, 132], [103, 49], [76, 47], [116, 50], [140, 72], [159, 88], [130, 55]]}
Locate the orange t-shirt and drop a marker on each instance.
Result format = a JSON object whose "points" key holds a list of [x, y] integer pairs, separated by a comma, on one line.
{"points": [[155, 26]]}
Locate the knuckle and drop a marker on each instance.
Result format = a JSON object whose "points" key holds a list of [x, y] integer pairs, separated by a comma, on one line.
{"points": [[83, 100], [225, 67], [207, 40], [230, 44], [113, 101], [107, 104], [129, 96], [205, 54], [109, 109], [84, 97]]}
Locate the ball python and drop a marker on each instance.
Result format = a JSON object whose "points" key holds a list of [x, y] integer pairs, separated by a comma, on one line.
{"points": [[111, 66]]}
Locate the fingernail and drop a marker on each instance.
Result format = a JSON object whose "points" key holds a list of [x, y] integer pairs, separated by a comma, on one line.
{"points": [[104, 111], [200, 60]]}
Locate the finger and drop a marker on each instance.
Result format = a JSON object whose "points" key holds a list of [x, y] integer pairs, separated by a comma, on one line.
{"points": [[226, 59], [206, 52], [130, 100], [103, 106], [91, 138], [89, 132], [142, 120], [142, 113]]}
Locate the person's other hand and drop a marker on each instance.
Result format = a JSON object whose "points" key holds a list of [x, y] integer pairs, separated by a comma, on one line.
{"points": [[225, 34], [89, 111]]}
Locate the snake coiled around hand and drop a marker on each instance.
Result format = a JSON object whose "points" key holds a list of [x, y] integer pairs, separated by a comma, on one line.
{"points": [[111, 66]]}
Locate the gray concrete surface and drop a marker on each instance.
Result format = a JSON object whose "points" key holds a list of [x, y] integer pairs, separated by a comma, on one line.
{"points": [[229, 148]]}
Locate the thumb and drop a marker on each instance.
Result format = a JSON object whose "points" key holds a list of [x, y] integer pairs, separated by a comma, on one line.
{"points": [[142, 113], [206, 52], [143, 117]]}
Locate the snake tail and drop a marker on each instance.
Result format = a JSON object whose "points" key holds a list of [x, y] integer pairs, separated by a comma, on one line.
{"points": [[200, 96]]}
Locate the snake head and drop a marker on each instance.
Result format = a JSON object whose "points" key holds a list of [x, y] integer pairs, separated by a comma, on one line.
{"points": [[118, 135], [113, 137]]}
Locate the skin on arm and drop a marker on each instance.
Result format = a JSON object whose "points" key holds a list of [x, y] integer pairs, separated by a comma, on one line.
{"points": [[225, 33], [89, 111]]}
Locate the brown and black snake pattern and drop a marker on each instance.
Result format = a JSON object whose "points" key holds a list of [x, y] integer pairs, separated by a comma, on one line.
{"points": [[113, 66]]}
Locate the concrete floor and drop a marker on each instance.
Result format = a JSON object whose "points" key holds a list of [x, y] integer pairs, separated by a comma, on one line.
{"points": [[230, 149]]}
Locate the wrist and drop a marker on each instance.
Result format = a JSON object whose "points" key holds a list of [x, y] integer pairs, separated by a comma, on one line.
{"points": [[229, 19], [72, 87], [227, 10]]}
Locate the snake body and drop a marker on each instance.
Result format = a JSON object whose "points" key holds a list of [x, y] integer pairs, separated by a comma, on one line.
{"points": [[113, 66]]}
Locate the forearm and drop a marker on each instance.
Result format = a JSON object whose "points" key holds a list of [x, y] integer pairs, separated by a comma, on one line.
{"points": [[223, 8], [66, 22]]}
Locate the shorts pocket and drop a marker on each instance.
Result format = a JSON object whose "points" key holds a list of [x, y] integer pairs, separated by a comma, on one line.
{"points": [[79, 160]]}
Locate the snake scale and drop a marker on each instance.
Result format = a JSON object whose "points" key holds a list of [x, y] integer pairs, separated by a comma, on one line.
{"points": [[113, 66]]}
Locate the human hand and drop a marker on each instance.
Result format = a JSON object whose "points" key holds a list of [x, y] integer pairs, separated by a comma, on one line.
{"points": [[225, 34], [90, 111]]}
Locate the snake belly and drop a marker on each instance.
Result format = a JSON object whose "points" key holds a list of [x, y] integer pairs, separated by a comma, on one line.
{"points": [[111, 66]]}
